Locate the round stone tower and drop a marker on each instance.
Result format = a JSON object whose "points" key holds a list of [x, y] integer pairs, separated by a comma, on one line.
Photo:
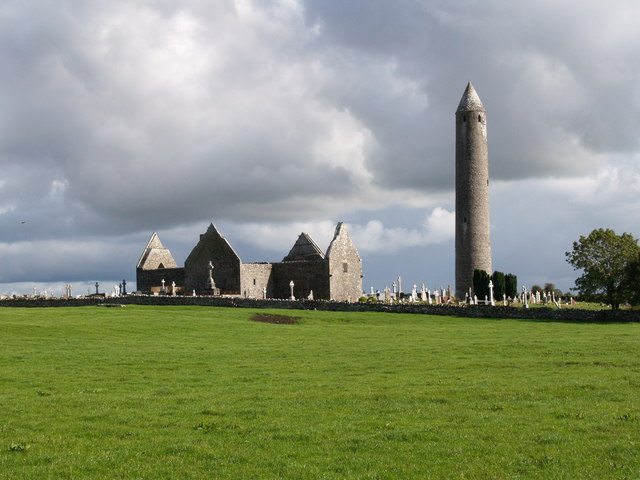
{"points": [[473, 243]]}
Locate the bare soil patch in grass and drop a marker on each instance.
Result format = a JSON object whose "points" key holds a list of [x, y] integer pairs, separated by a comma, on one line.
{"points": [[273, 318]]}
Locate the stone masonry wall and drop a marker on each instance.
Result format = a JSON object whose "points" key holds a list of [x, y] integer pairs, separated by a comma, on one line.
{"points": [[306, 276], [146, 279], [255, 277], [345, 268], [542, 314], [473, 242], [226, 273]]}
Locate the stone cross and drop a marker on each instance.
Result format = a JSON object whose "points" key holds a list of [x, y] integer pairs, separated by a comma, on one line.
{"points": [[162, 281], [211, 284], [524, 297], [97, 285], [291, 285], [173, 288], [491, 302], [264, 292], [124, 287]]}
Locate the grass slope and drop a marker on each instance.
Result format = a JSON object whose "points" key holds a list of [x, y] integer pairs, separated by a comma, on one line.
{"points": [[179, 392]]}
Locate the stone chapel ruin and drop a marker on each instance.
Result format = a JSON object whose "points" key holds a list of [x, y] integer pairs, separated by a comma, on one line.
{"points": [[334, 275]]}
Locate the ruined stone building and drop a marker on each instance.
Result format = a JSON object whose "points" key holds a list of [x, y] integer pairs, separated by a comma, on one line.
{"points": [[334, 275]]}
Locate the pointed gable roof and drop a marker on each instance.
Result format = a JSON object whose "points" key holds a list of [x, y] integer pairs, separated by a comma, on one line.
{"points": [[213, 243], [155, 255], [470, 101], [304, 249], [341, 241]]}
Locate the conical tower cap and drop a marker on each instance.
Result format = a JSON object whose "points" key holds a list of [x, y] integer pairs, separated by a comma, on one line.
{"points": [[470, 101]]}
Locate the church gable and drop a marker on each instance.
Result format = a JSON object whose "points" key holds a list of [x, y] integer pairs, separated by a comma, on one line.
{"points": [[213, 248], [155, 255], [305, 249], [345, 267]]}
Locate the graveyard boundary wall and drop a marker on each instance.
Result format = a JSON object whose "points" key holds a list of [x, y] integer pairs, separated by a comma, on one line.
{"points": [[472, 311]]}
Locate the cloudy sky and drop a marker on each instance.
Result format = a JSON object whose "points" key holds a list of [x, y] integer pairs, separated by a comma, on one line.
{"points": [[269, 118]]}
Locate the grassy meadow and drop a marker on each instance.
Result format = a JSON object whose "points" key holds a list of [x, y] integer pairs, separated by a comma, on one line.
{"points": [[200, 392]]}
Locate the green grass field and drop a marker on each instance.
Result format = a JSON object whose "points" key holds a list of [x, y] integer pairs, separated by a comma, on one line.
{"points": [[199, 392]]}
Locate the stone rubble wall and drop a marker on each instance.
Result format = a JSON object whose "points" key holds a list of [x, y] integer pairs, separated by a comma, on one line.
{"points": [[148, 279], [306, 276], [345, 268], [498, 312], [254, 278]]}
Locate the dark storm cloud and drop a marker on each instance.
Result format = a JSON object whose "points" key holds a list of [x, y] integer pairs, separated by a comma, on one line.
{"points": [[147, 117]]}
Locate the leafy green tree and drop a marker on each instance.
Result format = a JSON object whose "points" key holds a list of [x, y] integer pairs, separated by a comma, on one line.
{"points": [[606, 261], [536, 289], [498, 285], [481, 284], [511, 285], [633, 281]]}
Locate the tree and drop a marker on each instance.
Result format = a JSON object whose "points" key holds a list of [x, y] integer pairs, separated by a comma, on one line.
{"points": [[536, 289], [550, 288], [606, 260], [633, 281], [511, 285], [498, 285], [481, 284]]}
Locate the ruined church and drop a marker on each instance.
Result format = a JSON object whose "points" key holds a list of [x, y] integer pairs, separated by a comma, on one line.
{"points": [[214, 268]]}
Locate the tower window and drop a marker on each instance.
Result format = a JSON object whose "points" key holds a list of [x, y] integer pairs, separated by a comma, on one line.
{"points": [[464, 220], [464, 118], [161, 265], [479, 118], [254, 281], [345, 267]]}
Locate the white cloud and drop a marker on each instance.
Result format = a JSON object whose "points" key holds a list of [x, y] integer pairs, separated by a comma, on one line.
{"points": [[437, 227]]}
